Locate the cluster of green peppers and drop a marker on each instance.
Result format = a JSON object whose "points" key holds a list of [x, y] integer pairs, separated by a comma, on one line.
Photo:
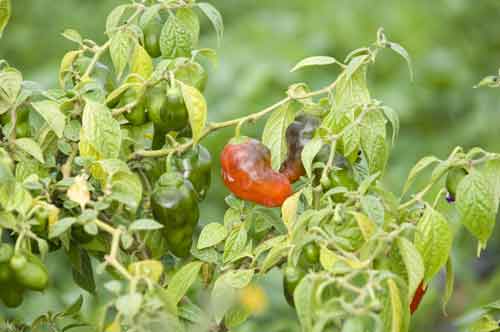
{"points": [[20, 272], [176, 196]]}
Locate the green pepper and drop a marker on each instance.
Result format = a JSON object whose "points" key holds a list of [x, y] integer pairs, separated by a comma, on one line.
{"points": [[11, 294], [167, 111], [29, 272], [152, 31], [137, 115], [292, 275], [22, 122], [196, 165], [6, 252], [309, 256], [175, 205]]}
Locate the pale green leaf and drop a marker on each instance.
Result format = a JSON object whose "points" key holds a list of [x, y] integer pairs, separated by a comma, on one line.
{"points": [[31, 147], [304, 300], [433, 239], [211, 235], [396, 306], [122, 45], [215, 17], [51, 113], [100, 136], [182, 280], [309, 152], [314, 61], [197, 109], [289, 210], [274, 134], [477, 205], [413, 263], [419, 167], [5, 12]]}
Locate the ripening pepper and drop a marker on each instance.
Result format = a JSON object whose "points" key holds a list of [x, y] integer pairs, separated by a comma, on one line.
{"points": [[417, 297], [247, 172], [175, 205], [298, 134]]}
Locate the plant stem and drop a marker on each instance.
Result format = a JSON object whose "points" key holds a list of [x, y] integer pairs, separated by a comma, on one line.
{"points": [[112, 259], [211, 127]]}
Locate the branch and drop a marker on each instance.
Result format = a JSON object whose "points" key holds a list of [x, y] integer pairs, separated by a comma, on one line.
{"points": [[211, 127]]}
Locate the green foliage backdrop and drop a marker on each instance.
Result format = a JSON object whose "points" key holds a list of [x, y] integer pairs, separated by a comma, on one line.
{"points": [[453, 44]]}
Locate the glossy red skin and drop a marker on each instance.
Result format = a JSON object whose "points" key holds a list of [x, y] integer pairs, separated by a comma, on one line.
{"points": [[247, 172], [419, 294]]}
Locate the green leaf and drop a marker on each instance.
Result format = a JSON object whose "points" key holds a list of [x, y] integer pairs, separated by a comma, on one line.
{"points": [[373, 208], [433, 239], [145, 225], [402, 51], [61, 226], [413, 262], [51, 113], [5, 12], [309, 152], [211, 235], [365, 224], [175, 39], [484, 324], [314, 61], [190, 20], [289, 210], [235, 244], [373, 141], [238, 278], [115, 18], [130, 304], [126, 188], [83, 274], [304, 300], [141, 63], [393, 118], [419, 167], [215, 17], [10, 85], [450, 282], [30, 147], [274, 134], [182, 281], [73, 35], [477, 205], [66, 65], [197, 109], [100, 136], [396, 306], [223, 297], [122, 45]]}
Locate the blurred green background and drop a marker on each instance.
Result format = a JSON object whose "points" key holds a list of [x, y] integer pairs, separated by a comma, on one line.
{"points": [[453, 43]]}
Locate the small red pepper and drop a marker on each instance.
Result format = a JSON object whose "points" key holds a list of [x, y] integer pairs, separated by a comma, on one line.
{"points": [[419, 294], [247, 172]]}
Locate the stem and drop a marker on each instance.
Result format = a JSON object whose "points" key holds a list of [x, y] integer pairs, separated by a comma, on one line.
{"points": [[100, 51], [66, 168], [112, 259], [235, 122]]}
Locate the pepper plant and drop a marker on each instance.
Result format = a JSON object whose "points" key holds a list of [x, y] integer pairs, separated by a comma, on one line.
{"points": [[110, 166]]}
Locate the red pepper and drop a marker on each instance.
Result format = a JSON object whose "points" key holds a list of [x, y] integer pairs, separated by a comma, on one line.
{"points": [[419, 294], [247, 172]]}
